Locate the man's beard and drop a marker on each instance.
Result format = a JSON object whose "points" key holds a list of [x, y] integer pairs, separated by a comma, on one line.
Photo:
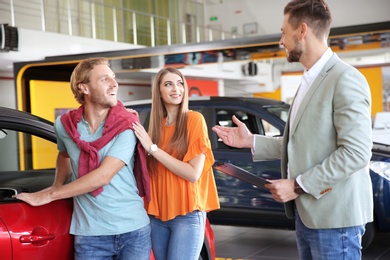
{"points": [[102, 101], [295, 54]]}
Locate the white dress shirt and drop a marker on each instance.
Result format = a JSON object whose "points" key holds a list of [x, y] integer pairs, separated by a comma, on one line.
{"points": [[307, 80]]}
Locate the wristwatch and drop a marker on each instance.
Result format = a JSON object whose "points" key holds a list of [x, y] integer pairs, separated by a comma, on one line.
{"points": [[297, 189], [152, 149]]}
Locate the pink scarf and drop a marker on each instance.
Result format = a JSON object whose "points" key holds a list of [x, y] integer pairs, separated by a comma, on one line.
{"points": [[118, 120]]}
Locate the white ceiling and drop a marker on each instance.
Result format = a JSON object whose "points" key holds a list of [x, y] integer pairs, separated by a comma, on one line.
{"points": [[266, 13]]}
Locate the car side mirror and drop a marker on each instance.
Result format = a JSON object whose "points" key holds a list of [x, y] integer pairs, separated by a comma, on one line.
{"points": [[3, 133]]}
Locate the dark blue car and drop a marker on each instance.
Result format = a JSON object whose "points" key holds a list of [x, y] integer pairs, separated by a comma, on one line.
{"points": [[244, 204]]}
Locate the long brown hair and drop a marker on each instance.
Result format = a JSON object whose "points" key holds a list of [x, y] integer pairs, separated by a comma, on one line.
{"points": [[179, 141]]}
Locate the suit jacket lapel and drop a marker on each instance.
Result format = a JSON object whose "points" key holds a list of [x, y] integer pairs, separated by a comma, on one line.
{"points": [[316, 84]]}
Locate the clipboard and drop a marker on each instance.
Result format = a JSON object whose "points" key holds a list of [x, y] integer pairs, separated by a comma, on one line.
{"points": [[240, 173]]}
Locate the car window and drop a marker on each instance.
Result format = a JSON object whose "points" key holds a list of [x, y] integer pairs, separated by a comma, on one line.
{"points": [[270, 130], [255, 124], [224, 118], [3, 133], [20, 151], [26, 163], [281, 112]]}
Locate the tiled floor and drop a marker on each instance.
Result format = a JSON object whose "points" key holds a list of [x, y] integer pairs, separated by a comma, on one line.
{"points": [[233, 243]]}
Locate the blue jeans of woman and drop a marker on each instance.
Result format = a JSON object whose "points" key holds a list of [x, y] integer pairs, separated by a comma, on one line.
{"points": [[179, 238], [328, 244], [135, 245]]}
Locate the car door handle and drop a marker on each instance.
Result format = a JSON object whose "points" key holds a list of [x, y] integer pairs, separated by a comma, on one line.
{"points": [[36, 238], [40, 236]]}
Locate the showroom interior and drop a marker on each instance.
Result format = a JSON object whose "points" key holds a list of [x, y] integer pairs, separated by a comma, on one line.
{"points": [[49, 37]]}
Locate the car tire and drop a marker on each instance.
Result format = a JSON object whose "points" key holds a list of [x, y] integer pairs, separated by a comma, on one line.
{"points": [[369, 235]]}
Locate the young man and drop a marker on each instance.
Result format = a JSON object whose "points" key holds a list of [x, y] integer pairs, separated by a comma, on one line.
{"points": [[326, 146], [97, 149]]}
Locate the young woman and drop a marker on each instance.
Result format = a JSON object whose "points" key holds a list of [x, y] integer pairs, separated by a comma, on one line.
{"points": [[180, 165]]}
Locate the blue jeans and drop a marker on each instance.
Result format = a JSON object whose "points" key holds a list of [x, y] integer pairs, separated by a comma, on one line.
{"points": [[135, 245], [179, 238], [328, 244]]}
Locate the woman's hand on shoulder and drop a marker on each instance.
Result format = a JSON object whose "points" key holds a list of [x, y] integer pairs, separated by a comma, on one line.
{"points": [[142, 135], [133, 111]]}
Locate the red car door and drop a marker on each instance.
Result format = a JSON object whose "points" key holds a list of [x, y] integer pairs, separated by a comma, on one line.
{"points": [[36, 233]]}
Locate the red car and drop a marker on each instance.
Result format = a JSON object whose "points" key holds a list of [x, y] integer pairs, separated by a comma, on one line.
{"points": [[27, 158]]}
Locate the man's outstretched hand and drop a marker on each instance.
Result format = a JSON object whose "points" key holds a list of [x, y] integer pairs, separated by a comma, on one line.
{"points": [[239, 137]]}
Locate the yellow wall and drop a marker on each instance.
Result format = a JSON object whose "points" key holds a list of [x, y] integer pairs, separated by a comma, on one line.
{"points": [[274, 95], [374, 79], [45, 98]]}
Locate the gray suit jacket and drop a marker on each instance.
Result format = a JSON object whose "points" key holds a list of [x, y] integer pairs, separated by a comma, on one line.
{"points": [[330, 146]]}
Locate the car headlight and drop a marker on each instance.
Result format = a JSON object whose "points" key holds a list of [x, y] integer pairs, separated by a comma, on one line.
{"points": [[381, 168]]}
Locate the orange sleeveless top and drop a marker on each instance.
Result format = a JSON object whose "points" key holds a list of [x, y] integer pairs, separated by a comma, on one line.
{"points": [[170, 194]]}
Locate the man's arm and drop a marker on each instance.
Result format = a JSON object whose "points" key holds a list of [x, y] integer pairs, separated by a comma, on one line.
{"points": [[117, 157], [63, 169], [89, 182]]}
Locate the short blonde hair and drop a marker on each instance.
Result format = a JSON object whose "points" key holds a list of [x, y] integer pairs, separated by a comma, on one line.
{"points": [[80, 74]]}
